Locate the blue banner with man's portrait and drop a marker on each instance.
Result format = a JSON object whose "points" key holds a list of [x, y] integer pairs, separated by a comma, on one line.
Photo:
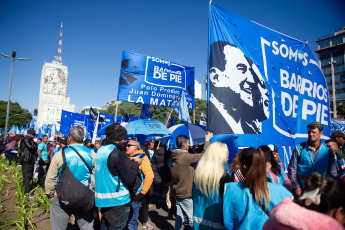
{"points": [[264, 87], [154, 81]]}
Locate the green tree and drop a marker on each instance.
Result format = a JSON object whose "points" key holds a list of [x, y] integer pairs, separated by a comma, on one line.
{"points": [[15, 108], [158, 113], [341, 110]]}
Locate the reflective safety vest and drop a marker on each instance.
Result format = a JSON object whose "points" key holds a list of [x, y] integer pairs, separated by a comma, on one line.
{"points": [[206, 210], [76, 164], [306, 164], [110, 191]]}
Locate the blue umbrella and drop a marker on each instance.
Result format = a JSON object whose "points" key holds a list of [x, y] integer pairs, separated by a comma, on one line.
{"points": [[147, 127], [195, 132]]}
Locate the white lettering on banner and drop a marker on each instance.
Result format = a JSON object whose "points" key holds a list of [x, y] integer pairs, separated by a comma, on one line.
{"points": [[163, 73], [148, 87], [313, 107], [286, 51], [138, 101], [303, 85]]}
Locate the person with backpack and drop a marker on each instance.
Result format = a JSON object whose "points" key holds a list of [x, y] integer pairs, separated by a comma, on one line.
{"points": [[133, 150], [115, 176], [27, 152], [70, 175], [309, 157]]}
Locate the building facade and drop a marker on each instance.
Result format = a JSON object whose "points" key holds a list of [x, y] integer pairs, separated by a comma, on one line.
{"points": [[331, 51], [53, 93], [198, 89]]}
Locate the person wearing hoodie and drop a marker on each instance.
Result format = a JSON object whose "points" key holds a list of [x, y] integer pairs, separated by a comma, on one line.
{"points": [[322, 206], [133, 150], [246, 204], [115, 177], [159, 161], [182, 172]]}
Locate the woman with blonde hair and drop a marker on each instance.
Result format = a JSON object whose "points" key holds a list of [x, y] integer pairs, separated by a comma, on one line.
{"points": [[209, 179], [246, 204]]}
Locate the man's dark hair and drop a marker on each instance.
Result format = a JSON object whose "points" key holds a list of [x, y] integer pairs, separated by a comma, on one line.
{"points": [[330, 141], [77, 133], [39, 139], [180, 139], [316, 125], [217, 56], [44, 136], [337, 133]]}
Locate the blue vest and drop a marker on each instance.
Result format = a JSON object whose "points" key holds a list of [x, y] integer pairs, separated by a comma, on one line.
{"points": [[305, 165], [281, 177], [240, 211], [206, 211], [106, 184], [76, 164]]}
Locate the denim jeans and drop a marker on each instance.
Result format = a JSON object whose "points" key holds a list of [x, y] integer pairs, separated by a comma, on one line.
{"points": [[184, 206], [133, 216], [121, 215], [60, 215]]}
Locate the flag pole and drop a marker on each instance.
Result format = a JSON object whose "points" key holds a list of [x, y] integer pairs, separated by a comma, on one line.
{"points": [[95, 130], [169, 116], [194, 116], [116, 106]]}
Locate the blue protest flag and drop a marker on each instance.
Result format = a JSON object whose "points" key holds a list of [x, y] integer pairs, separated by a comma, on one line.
{"points": [[172, 121], [153, 81], [203, 119], [262, 82], [145, 112], [39, 134], [183, 114], [31, 124]]}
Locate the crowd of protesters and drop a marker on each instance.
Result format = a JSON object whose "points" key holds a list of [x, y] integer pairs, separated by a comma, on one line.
{"points": [[195, 184]]}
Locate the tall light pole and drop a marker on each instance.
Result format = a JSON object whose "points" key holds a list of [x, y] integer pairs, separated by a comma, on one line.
{"points": [[333, 89], [9, 91]]}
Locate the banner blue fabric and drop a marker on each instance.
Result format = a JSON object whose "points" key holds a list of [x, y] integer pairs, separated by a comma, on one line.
{"points": [[337, 126], [69, 119], [154, 81], [145, 112], [262, 82]]}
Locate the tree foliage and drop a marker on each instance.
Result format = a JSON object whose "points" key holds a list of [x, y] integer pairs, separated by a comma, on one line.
{"points": [[341, 110], [158, 113], [15, 108]]}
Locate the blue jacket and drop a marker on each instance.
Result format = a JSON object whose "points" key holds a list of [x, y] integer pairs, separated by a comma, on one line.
{"points": [[240, 211], [76, 165], [206, 211], [281, 177], [106, 194], [305, 165]]}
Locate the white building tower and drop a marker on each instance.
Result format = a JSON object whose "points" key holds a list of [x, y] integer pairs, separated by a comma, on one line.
{"points": [[53, 90]]}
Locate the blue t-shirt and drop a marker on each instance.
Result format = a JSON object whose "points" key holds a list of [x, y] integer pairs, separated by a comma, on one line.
{"points": [[44, 151]]}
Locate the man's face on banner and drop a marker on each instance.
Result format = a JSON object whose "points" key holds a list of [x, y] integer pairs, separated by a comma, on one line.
{"points": [[236, 76]]}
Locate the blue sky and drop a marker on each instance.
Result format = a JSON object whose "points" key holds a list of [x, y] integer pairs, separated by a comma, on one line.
{"points": [[96, 32]]}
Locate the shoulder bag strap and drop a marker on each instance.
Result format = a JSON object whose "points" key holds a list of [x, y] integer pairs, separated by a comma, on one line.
{"points": [[64, 157], [81, 159]]}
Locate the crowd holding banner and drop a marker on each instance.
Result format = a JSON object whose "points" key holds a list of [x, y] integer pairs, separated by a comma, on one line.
{"points": [[267, 114]]}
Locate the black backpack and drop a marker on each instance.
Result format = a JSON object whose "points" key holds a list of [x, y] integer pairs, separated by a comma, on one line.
{"points": [[71, 192]]}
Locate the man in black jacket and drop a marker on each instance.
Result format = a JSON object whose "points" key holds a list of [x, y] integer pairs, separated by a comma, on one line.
{"points": [[28, 149]]}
